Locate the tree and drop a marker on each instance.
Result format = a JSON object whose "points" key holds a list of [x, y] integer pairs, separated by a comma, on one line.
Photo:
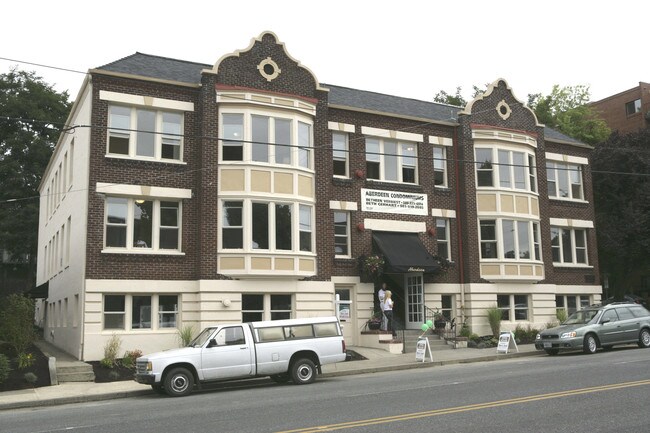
{"points": [[565, 109], [621, 166], [456, 99], [32, 116], [17, 322]]}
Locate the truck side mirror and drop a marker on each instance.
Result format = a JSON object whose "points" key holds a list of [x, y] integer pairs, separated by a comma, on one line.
{"points": [[212, 343]]}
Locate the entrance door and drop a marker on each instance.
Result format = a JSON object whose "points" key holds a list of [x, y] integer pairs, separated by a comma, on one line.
{"points": [[414, 301]]}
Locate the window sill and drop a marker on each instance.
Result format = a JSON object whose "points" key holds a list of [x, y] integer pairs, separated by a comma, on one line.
{"points": [[568, 200], [136, 158], [143, 252], [572, 266]]}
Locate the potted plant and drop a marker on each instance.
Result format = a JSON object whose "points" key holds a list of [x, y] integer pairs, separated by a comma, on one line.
{"points": [[439, 320], [374, 323], [371, 267]]}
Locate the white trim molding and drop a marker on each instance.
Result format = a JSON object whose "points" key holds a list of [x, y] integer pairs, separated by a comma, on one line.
{"points": [[564, 222], [443, 213], [146, 101], [388, 133], [341, 127], [343, 205], [394, 226], [142, 191], [566, 158], [441, 141]]}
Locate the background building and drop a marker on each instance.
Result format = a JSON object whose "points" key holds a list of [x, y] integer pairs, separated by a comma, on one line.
{"points": [[628, 111], [190, 194]]}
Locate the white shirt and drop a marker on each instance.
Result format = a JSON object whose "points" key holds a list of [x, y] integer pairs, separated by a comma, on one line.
{"points": [[381, 295], [388, 305]]}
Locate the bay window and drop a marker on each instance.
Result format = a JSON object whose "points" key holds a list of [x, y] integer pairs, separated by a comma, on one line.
{"points": [[515, 169], [508, 239]]}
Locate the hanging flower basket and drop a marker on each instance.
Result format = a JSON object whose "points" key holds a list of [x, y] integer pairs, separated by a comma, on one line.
{"points": [[371, 267]]}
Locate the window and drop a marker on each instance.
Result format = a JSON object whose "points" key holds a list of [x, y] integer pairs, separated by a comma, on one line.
{"points": [[258, 307], [260, 138], [447, 309], [515, 170], [513, 306], [633, 107], [571, 303], [484, 170], [231, 336], [439, 166], [442, 237], [138, 224], [144, 133], [340, 154], [341, 234], [140, 309], [272, 226], [519, 239], [390, 160], [564, 180], [569, 246]]}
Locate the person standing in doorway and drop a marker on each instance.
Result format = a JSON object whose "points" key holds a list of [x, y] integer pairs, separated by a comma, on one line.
{"points": [[388, 311], [382, 296]]}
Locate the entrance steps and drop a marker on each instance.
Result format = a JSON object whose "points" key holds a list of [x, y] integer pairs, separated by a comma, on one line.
{"points": [[63, 366]]}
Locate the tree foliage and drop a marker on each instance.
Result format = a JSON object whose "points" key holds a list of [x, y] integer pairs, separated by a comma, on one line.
{"points": [[457, 98], [565, 109], [32, 115], [621, 166], [16, 322]]}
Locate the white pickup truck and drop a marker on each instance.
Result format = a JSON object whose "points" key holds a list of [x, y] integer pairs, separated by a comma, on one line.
{"points": [[293, 349]]}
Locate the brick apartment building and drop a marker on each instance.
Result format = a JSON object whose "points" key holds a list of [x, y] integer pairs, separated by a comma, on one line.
{"points": [[190, 194], [627, 111]]}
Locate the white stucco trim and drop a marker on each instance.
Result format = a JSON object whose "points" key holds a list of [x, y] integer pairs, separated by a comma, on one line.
{"points": [[343, 205], [488, 136], [394, 226], [146, 101], [338, 126], [441, 141], [564, 222], [566, 158], [142, 190], [443, 213], [388, 133]]}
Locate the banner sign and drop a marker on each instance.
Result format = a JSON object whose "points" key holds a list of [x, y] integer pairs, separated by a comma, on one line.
{"points": [[394, 202]]}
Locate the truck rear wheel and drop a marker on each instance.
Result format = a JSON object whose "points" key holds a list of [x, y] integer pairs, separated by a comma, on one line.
{"points": [[179, 382], [303, 371]]}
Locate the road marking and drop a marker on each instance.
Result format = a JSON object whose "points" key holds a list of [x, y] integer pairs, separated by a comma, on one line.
{"points": [[467, 408]]}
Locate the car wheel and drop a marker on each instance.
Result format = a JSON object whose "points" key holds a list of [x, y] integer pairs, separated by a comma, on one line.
{"points": [[303, 371], [280, 378], [644, 338], [552, 352], [179, 382], [590, 344]]}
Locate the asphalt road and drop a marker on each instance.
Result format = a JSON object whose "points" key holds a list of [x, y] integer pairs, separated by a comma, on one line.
{"points": [[606, 392]]}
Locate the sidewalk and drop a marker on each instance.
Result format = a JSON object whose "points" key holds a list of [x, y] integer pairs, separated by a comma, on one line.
{"points": [[378, 361]]}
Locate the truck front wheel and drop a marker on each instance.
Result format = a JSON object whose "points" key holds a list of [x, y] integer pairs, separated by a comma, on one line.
{"points": [[179, 382], [303, 371]]}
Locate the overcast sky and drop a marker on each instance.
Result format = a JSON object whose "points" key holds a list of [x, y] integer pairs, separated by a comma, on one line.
{"points": [[404, 48]]}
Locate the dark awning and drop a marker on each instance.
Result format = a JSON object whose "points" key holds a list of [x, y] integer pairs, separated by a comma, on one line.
{"points": [[39, 292], [404, 252]]}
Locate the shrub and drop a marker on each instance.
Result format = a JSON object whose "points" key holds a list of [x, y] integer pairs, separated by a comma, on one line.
{"points": [[111, 349], [5, 368], [30, 378], [185, 335], [561, 315], [465, 331], [25, 360], [494, 316], [130, 357], [17, 322]]}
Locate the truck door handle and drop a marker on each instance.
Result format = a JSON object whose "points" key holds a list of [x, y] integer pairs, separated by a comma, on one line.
{"points": [[243, 348]]}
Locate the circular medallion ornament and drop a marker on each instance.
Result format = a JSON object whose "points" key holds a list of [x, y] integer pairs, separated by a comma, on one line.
{"points": [[269, 69], [503, 110]]}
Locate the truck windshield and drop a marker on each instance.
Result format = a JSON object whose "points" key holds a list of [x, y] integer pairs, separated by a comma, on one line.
{"points": [[201, 339]]}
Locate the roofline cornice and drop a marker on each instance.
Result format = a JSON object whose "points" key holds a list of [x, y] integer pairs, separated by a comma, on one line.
{"points": [[399, 116], [570, 143], [143, 78]]}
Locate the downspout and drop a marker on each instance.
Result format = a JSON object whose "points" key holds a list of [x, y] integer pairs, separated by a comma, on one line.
{"points": [[459, 228]]}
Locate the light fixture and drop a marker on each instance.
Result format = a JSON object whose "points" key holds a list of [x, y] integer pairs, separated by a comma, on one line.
{"points": [[139, 201]]}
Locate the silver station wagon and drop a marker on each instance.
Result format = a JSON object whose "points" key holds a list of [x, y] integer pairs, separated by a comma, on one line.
{"points": [[598, 326]]}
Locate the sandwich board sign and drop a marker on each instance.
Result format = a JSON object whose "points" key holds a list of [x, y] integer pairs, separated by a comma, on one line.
{"points": [[506, 341], [422, 348]]}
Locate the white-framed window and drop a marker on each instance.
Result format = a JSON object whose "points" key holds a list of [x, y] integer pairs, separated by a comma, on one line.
{"points": [[564, 180], [569, 246], [137, 311], [440, 166], [136, 224], [513, 307], [144, 133], [341, 234], [442, 238], [508, 239], [391, 160], [572, 303], [515, 170], [264, 137], [447, 309], [274, 226], [258, 307], [340, 154]]}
